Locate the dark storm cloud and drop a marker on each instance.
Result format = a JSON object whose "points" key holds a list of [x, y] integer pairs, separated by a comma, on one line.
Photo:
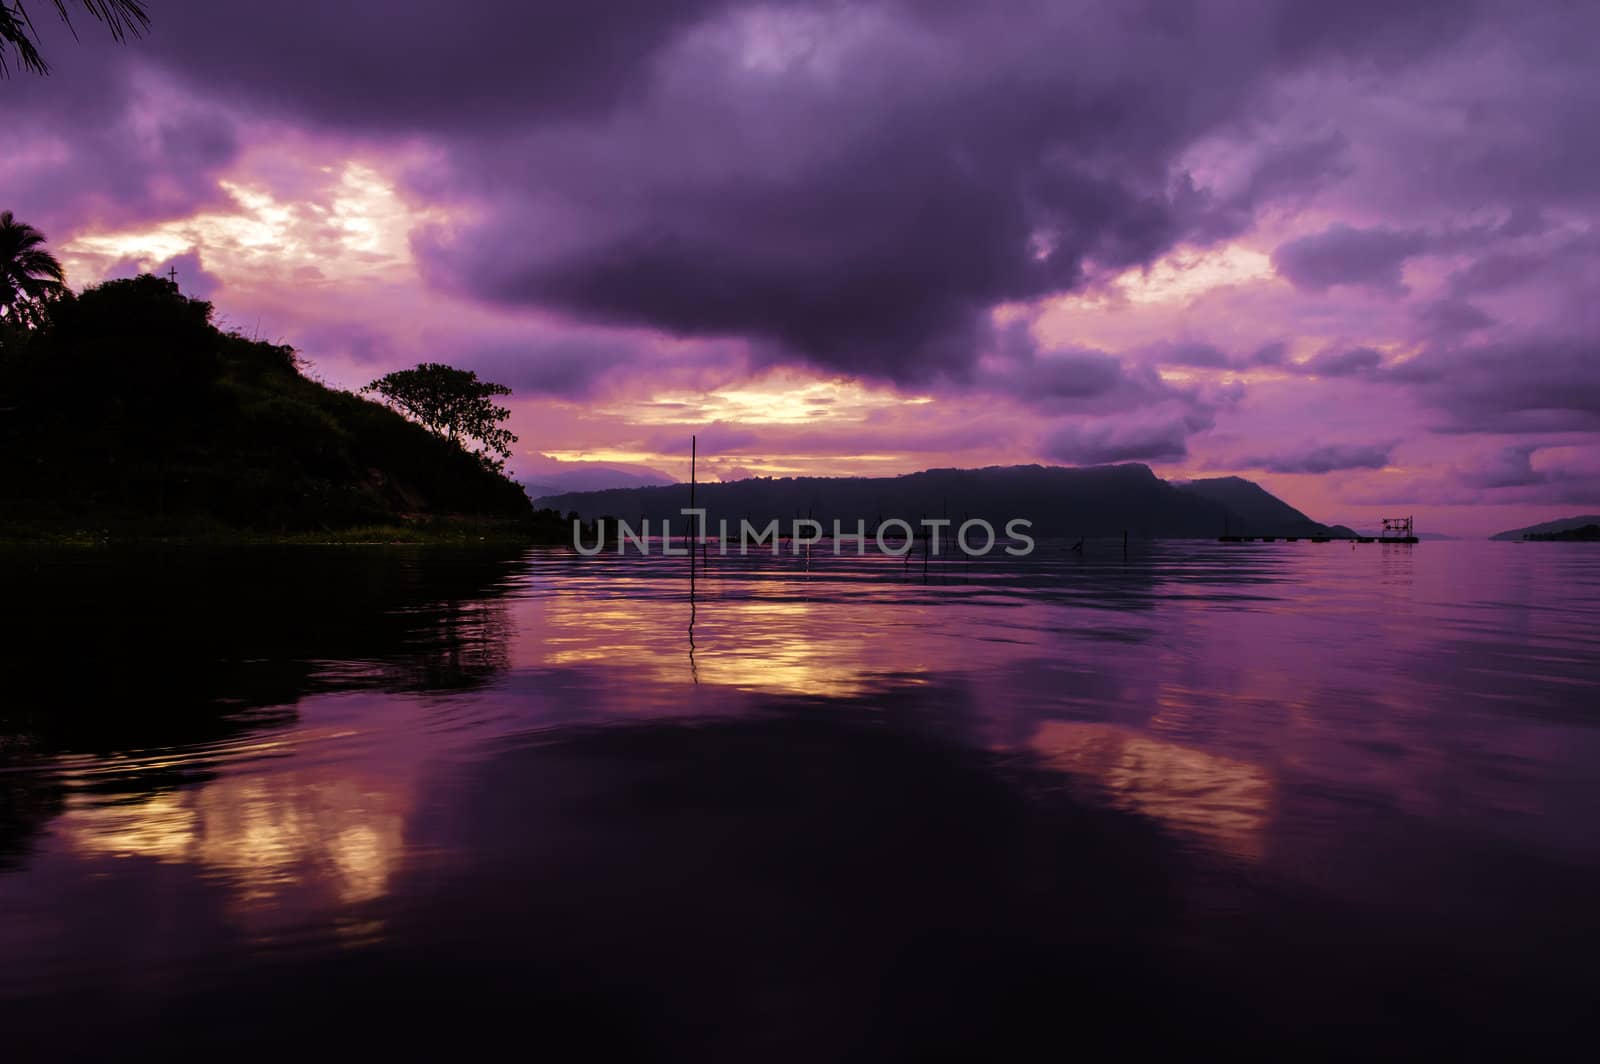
{"points": [[715, 439], [569, 369], [1271, 354], [1452, 317], [865, 206], [1511, 468], [408, 65], [88, 144], [1494, 272], [1535, 385], [1289, 172], [1325, 458], [1100, 443], [853, 184], [1342, 255], [1074, 380], [1346, 363], [1072, 376]]}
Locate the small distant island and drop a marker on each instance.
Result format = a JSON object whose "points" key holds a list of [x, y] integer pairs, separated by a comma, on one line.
{"points": [[1581, 529], [1587, 534], [127, 414]]}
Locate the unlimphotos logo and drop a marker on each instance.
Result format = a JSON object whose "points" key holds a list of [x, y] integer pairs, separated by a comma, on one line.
{"points": [[975, 537]]}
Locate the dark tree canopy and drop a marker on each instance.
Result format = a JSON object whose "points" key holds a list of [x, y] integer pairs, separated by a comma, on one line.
{"points": [[126, 408], [454, 404], [124, 18]]}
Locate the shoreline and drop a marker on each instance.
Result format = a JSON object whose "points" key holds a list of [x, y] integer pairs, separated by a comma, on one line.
{"points": [[434, 533]]}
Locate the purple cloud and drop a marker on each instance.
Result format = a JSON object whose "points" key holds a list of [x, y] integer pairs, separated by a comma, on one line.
{"points": [[196, 281], [93, 142], [1347, 363], [1341, 255], [1104, 441], [1452, 317], [1536, 385], [1325, 458], [860, 187]]}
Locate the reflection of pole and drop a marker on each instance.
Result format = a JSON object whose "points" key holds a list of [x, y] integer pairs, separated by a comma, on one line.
{"points": [[693, 671]]}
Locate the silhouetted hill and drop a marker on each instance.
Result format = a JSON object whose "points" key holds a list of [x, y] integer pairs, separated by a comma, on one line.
{"points": [[1589, 533], [565, 482], [1564, 524], [1261, 512], [130, 408], [1061, 501]]}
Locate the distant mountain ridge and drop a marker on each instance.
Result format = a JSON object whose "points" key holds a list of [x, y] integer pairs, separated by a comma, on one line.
{"points": [[1059, 500], [1562, 524], [567, 482], [1261, 512]]}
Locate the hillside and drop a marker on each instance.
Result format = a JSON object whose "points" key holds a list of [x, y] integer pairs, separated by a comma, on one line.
{"points": [[1260, 511], [131, 410], [1061, 501], [1549, 528]]}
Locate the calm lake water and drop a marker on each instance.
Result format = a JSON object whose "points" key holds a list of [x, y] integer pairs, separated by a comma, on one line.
{"points": [[1213, 798]]}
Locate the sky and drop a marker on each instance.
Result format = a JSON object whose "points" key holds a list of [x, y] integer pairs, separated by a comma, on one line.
{"points": [[1346, 250]]}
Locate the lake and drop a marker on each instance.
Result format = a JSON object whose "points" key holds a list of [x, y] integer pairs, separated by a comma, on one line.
{"points": [[1198, 797]]}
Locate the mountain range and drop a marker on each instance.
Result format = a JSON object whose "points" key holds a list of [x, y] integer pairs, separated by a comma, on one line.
{"points": [[597, 478], [1059, 500]]}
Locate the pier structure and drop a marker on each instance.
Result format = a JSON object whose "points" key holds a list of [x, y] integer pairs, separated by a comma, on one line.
{"points": [[1398, 530], [1395, 530]]}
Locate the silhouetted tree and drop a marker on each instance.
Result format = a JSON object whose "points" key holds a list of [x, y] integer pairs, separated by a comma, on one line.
{"points": [[454, 404], [123, 18], [29, 275]]}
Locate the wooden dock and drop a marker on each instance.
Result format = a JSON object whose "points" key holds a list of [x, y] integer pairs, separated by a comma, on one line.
{"points": [[1395, 530]]}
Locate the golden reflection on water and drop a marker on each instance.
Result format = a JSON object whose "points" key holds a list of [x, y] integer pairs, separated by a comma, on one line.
{"points": [[283, 844], [776, 645], [1217, 801]]}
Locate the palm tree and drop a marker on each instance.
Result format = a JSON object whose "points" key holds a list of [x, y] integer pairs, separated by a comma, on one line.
{"points": [[28, 273], [124, 18]]}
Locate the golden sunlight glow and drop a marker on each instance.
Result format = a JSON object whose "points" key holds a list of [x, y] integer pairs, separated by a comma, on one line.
{"points": [[352, 226], [782, 398], [599, 454], [810, 465], [1186, 273]]}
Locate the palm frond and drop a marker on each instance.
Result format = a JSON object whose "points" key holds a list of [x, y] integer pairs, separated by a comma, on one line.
{"points": [[124, 18], [28, 273]]}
